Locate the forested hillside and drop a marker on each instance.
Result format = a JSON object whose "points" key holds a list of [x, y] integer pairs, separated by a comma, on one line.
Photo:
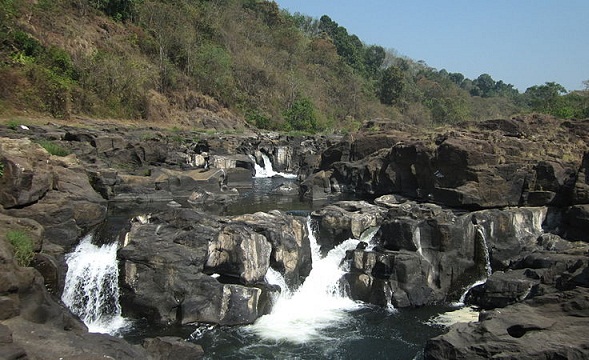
{"points": [[198, 62]]}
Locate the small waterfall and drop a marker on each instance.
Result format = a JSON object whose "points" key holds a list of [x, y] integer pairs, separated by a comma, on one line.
{"points": [[91, 286], [267, 171], [483, 238], [480, 231], [299, 316]]}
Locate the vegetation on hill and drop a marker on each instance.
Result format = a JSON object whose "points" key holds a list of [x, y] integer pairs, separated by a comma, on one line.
{"points": [[186, 61]]}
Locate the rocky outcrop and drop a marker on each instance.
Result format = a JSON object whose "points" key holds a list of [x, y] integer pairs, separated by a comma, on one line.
{"points": [[505, 167], [52, 190], [184, 266], [424, 254], [551, 326]]}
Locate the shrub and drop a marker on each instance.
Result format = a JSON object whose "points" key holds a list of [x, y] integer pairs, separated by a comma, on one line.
{"points": [[23, 246], [53, 148]]}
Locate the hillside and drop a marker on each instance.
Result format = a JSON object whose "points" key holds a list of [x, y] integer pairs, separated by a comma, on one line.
{"points": [[230, 64]]}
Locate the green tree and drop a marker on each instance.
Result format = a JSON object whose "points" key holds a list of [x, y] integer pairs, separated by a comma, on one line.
{"points": [[301, 115], [544, 98], [391, 85]]}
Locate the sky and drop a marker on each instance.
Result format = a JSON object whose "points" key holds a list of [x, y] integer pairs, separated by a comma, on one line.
{"points": [[522, 42]]}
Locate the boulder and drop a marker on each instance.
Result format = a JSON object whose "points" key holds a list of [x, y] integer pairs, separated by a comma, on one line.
{"points": [[288, 235], [505, 288], [27, 174], [184, 266]]}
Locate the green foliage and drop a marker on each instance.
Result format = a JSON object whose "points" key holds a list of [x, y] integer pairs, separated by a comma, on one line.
{"points": [[250, 56], [258, 119], [13, 124], [1, 169], [22, 245], [546, 98], [54, 148], [302, 116], [391, 85], [117, 9]]}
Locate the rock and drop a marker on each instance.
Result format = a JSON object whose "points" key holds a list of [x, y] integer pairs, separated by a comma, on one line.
{"points": [[576, 223], [66, 206], [46, 341], [239, 252], [504, 288], [286, 189], [172, 348], [550, 326], [291, 250], [9, 350], [345, 220], [466, 169], [27, 174], [165, 265]]}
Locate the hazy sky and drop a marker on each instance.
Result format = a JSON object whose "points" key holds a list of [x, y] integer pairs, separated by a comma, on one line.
{"points": [[522, 42]]}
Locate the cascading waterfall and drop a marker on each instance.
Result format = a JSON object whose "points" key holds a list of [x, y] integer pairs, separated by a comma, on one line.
{"points": [[91, 286], [299, 317], [267, 171]]}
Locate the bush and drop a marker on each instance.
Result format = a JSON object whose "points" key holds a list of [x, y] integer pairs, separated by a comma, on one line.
{"points": [[23, 246], [54, 149]]}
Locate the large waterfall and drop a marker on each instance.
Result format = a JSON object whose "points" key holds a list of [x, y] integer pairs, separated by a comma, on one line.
{"points": [[91, 286], [300, 316]]}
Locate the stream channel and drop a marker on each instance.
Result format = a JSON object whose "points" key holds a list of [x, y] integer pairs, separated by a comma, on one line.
{"points": [[314, 322]]}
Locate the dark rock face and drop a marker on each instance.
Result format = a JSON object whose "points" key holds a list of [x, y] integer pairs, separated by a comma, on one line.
{"points": [[551, 326], [423, 254], [184, 266], [506, 167]]}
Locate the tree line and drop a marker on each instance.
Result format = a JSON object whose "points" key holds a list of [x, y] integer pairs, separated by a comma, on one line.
{"points": [[277, 70]]}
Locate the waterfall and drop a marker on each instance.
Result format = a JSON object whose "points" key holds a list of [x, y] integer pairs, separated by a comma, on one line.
{"points": [[299, 316], [488, 270], [91, 288], [267, 171], [483, 237]]}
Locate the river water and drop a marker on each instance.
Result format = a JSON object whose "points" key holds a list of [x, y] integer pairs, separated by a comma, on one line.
{"points": [[315, 321]]}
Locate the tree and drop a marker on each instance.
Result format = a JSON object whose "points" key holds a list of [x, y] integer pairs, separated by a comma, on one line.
{"points": [[544, 98], [391, 85], [484, 86], [373, 59], [301, 115]]}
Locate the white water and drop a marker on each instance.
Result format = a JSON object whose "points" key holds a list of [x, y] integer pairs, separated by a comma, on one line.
{"points": [[300, 317], [91, 286], [267, 171]]}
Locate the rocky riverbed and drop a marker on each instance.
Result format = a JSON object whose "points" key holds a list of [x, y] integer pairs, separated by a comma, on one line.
{"points": [[504, 204]]}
